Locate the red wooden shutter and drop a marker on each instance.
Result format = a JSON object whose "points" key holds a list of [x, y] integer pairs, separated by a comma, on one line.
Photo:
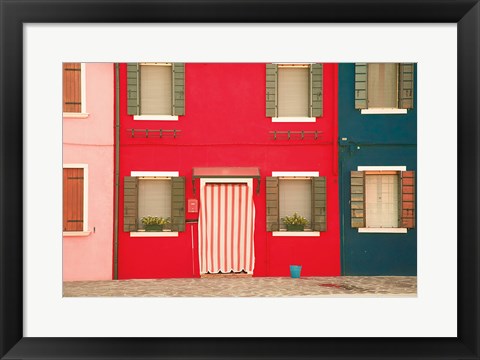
{"points": [[72, 97], [408, 199], [72, 199]]}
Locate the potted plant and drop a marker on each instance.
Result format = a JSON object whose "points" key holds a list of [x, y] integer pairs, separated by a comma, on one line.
{"points": [[154, 223], [295, 222]]}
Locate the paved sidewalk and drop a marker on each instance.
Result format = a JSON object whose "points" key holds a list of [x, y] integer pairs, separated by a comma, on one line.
{"points": [[344, 286]]}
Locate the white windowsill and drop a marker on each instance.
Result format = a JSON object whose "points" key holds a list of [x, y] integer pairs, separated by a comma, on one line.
{"points": [[156, 117], [381, 168], [294, 174], [154, 234], [379, 111], [294, 119], [383, 230], [76, 233], [154, 173], [296, 233], [75, 115]]}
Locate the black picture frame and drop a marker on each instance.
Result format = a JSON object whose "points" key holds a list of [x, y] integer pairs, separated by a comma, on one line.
{"points": [[465, 13]]}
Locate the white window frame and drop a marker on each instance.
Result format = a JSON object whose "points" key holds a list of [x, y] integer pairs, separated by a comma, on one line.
{"points": [[85, 231], [384, 111], [158, 117], [290, 119], [154, 175], [83, 91], [295, 175], [368, 230]]}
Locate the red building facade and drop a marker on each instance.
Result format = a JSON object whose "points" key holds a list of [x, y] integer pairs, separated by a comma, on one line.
{"points": [[223, 124]]}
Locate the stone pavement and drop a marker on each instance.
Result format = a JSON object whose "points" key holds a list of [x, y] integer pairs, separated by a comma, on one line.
{"points": [[342, 286]]}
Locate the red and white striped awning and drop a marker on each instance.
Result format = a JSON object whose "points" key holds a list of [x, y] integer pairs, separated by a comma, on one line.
{"points": [[226, 228]]}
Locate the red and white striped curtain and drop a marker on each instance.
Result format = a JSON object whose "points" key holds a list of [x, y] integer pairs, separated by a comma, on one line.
{"points": [[226, 228]]}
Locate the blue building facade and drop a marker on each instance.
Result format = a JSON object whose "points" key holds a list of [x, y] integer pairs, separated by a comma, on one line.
{"points": [[377, 169]]}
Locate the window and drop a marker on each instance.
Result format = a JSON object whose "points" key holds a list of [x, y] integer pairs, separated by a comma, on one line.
{"points": [[154, 194], [73, 89], [75, 198], [156, 90], [384, 87], [382, 199], [295, 196], [294, 92], [303, 194]]}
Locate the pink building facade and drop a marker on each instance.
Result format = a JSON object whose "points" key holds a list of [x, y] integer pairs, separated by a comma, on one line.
{"points": [[88, 171]]}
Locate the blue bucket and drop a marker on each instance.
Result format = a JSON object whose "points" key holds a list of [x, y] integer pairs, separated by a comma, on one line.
{"points": [[295, 271]]}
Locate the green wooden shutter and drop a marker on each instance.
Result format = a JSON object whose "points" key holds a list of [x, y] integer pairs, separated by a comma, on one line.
{"points": [[316, 90], [178, 203], [130, 203], [405, 86], [357, 198], [408, 199], [273, 217], [271, 90], [319, 203], [178, 97], [133, 88], [361, 76]]}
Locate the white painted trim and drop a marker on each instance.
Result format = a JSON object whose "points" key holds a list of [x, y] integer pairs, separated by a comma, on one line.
{"points": [[381, 168], [83, 96], [76, 233], [292, 175], [204, 181], [74, 166], [383, 230], [85, 191], [294, 119], [383, 111], [156, 63], [154, 234], [156, 117], [76, 115], [83, 87], [294, 65], [154, 173], [295, 173], [296, 233]]}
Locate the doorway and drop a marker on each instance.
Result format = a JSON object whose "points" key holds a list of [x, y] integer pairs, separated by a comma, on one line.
{"points": [[226, 228]]}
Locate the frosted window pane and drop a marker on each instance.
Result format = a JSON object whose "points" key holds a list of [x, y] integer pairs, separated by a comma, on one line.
{"points": [[154, 198], [295, 196], [382, 85], [293, 91], [381, 197], [156, 90]]}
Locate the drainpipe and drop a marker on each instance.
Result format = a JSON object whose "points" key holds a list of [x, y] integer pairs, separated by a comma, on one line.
{"points": [[342, 212], [335, 122], [117, 173]]}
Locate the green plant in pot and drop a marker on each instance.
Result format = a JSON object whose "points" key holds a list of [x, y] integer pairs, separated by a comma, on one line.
{"points": [[295, 222], [154, 223]]}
